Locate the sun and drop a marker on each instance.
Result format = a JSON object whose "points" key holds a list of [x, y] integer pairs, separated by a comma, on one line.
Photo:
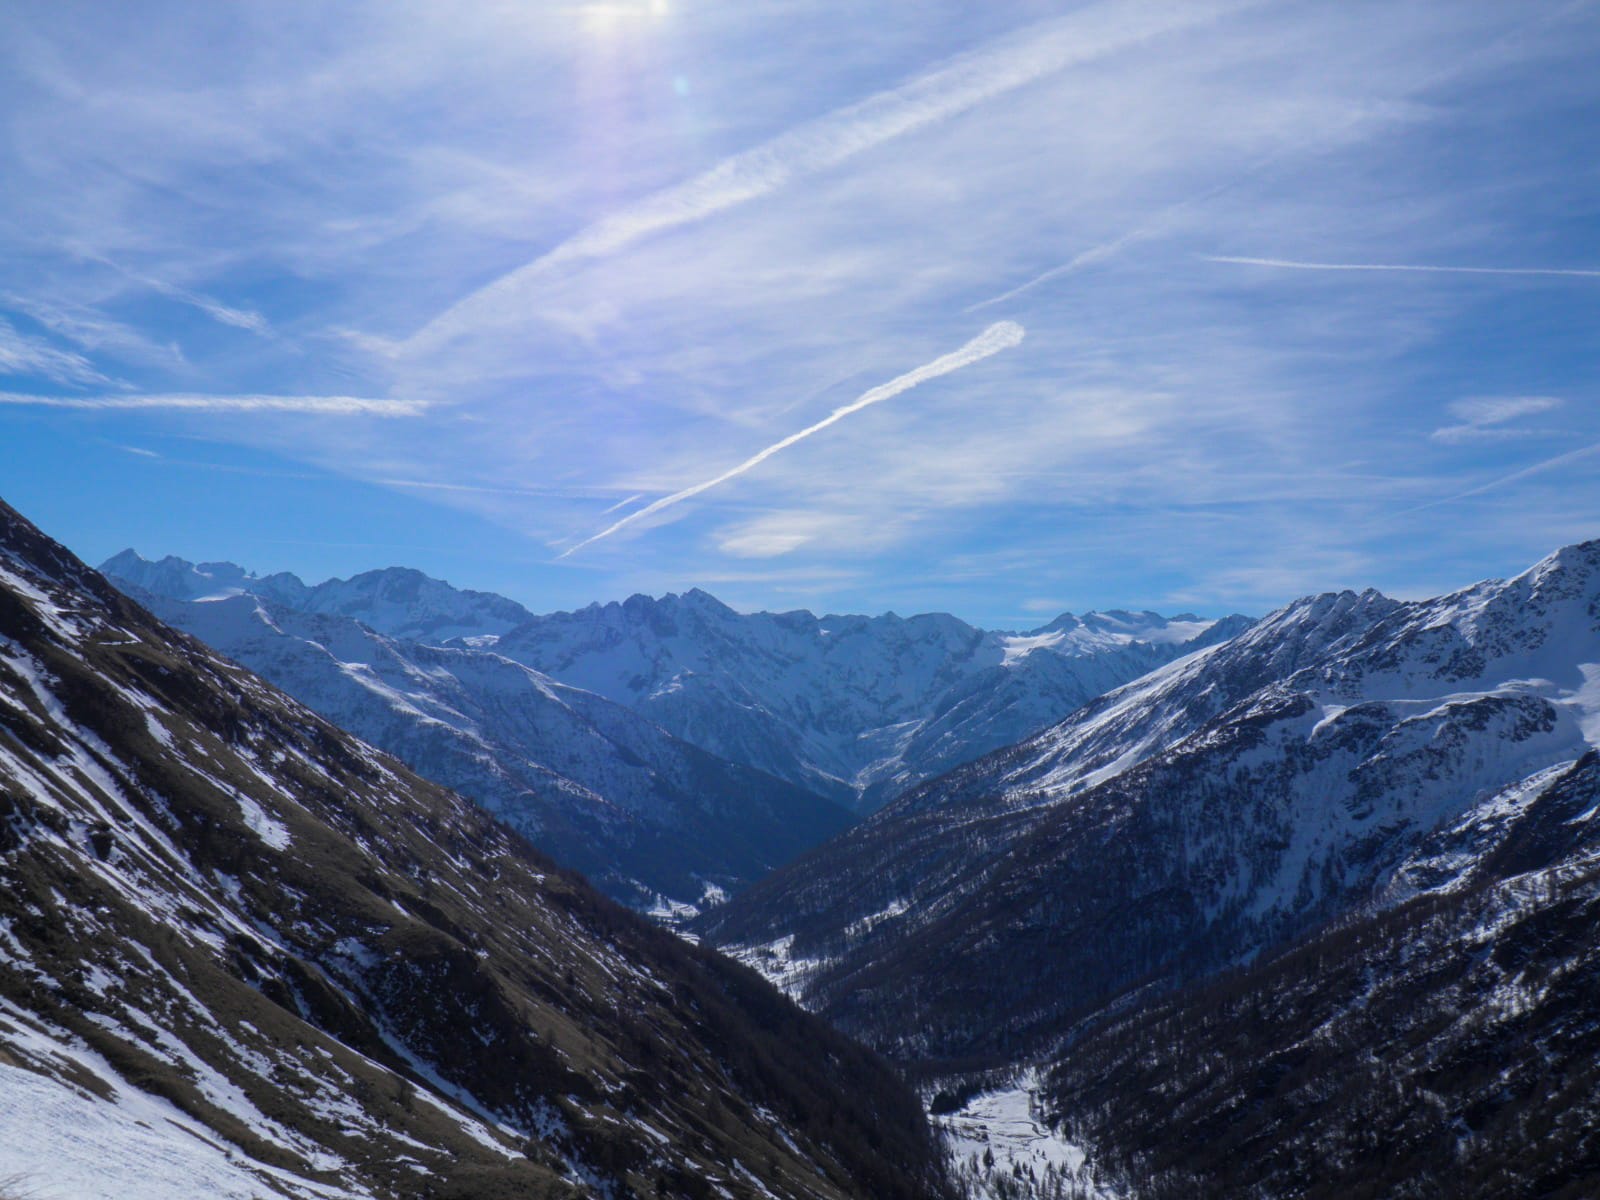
{"points": [[608, 17]]}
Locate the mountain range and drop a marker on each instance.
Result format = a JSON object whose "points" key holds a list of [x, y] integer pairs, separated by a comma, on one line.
{"points": [[1303, 907], [648, 817], [671, 749], [1364, 822], [243, 953]]}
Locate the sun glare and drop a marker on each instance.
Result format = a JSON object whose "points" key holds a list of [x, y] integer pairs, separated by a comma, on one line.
{"points": [[607, 17]]}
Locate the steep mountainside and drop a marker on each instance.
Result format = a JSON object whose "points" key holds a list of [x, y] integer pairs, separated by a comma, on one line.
{"points": [[235, 937], [1446, 1046], [853, 708], [590, 782], [1223, 805]]}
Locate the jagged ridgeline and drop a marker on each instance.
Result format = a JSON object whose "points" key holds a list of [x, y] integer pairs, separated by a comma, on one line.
{"points": [[231, 932]]}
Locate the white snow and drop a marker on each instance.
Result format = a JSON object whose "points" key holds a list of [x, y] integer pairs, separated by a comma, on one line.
{"points": [[1006, 1123], [777, 962], [270, 830], [1019, 646], [62, 1143]]}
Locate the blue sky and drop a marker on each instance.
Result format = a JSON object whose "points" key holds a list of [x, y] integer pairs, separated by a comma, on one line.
{"points": [[1001, 309]]}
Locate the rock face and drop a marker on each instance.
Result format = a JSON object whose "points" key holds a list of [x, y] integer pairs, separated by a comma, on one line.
{"points": [[230, 931], [1347, 752], [855, 709], [646, 816]]}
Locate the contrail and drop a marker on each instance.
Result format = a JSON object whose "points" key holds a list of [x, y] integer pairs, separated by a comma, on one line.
{"points": [[1549, 464], [1294, 265], [1000, 336], [1092, 255], [326, 405], [623, 503]]}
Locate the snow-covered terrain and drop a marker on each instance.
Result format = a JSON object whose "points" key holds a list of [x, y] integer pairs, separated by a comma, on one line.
{"points": [[855, 707], [73, 1127], [243, 953], [1000, 1138], [395, 601]]}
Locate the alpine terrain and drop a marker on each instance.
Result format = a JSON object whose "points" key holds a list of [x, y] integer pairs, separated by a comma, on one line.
{"points": [[244, 954], [1326, 887]]}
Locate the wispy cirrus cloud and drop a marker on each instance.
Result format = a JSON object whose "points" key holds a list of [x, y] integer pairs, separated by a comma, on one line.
{"points": [[832, 140], [92, 331], [338, 406], [224, 314], [1486, 418], [21, 354]]}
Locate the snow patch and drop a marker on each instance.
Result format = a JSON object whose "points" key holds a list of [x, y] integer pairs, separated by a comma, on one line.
{"points": [[269, 829]]}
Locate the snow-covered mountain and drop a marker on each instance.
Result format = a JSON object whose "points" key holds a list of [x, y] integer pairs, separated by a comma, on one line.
{"points": [[396, 601], [1345, 752], [244, 954], [854, 708], [858, 708], [646, 816]]}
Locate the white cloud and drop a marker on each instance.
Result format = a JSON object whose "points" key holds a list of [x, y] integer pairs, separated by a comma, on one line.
{"points": [[93, 331], [21, 354], [962, 83]]}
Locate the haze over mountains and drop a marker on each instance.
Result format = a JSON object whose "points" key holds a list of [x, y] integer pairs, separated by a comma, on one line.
{"points": [[777, 716]]}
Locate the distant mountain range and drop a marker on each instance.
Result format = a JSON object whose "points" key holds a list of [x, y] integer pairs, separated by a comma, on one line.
{"points": [[854, 708], [687, 748], [1361, 838], [243, 953]]}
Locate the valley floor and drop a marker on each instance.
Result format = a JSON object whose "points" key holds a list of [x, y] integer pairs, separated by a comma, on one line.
{"points": [[1028, 1158]]}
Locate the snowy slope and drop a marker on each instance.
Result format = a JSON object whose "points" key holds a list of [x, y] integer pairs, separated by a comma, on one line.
{"points": [[237, 944], [1225, 803], [1444, 1045], [640, 812]]}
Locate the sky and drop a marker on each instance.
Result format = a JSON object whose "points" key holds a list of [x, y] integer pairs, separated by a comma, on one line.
{"points": [[999, 309]]}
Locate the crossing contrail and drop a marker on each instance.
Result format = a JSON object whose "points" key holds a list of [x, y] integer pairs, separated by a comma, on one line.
{"points": [[1000, 336]]}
